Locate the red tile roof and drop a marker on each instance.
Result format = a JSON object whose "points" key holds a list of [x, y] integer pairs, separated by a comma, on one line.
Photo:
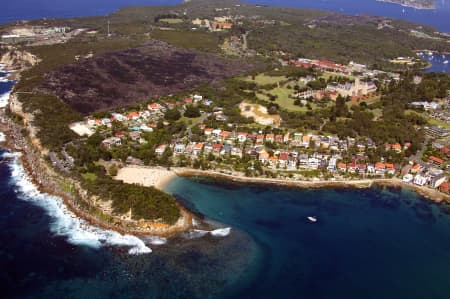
{"points": [[436, 160]]}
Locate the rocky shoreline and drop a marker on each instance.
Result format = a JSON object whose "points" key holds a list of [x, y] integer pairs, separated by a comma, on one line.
{"points": [[431, 194], [165, 177], [78, 202]]}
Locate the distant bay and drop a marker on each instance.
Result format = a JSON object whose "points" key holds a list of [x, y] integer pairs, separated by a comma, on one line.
{"points": [[438, 18], [37, 9]]}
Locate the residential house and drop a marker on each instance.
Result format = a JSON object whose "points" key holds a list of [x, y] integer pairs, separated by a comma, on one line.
{"points": [[286, 138], [217, 147], [361, 168], [279, 138], [397, 147], [390, 169], [351, 167], [208, 131], [313, 163], [342, 167], [236, 152], [436, 161], [259, 138], [303, 160], [445, 187], [408, 178], [416, 168], [263, 157], [226, 150], [197, 149], [292, 163], [154, 107], [161, 149], [216, 132], [332, 164], [420, 180], [135, 135], [270, 138], [224, 135], [380, 168], [273, 161], [242, 137], [283, 159], [436, 181], [112, 141], [306, 140], [133, 115]]}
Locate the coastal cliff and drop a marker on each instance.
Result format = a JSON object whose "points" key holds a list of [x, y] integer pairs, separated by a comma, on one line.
{"points": [[77, 199], [17, 61], [17, 124]]}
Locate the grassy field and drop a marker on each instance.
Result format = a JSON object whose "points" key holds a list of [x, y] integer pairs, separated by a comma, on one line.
{"points": [[431, 121], [171, 21], [263, 79], [285, 102], [436, 122], [327, 75]]}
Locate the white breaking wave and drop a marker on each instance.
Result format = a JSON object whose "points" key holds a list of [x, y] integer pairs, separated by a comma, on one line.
{"points": [[221, 232], [198, 233], [4, 98], [65, 223]]}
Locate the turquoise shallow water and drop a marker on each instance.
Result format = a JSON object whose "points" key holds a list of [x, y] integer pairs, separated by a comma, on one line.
{"points": [[376, 243]]}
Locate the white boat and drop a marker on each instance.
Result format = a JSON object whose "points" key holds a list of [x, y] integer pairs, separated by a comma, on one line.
{"points": [[312, 219], [445, 62]]}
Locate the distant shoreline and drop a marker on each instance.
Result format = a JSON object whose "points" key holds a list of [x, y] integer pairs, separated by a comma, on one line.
{"points": [[410, 5]]}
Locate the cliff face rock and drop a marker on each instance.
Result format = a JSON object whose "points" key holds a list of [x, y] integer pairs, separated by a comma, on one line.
{"points": [[18, 60], [16, 108]]}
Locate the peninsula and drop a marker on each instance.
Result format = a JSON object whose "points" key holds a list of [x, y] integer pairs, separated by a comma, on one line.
{"points": [[105, 108], [419, 4]]}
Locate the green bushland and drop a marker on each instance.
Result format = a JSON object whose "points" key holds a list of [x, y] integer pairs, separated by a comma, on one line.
{"points": [[197, 40]]}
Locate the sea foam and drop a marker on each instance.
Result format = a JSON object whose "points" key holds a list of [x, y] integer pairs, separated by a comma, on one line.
{"points": [[4, 98], [221, 232], [198, 233], [65, 223]]}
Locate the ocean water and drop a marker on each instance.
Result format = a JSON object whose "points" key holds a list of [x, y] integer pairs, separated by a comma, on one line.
{"points": [[36, 9], [439, 62], [438, 18], [376, 243]]}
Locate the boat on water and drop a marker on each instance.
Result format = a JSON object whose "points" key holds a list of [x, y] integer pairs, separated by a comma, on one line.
{"points": [[312, 219], [445, 62]]}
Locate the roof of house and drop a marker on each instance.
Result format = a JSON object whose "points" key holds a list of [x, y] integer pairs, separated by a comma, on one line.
{"points": [[436, 160], [380, 165], [416, 167], [284, 156], [264, 154]]}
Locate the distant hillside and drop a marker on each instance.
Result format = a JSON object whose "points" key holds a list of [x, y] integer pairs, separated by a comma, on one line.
{"points": [[120, 78]]}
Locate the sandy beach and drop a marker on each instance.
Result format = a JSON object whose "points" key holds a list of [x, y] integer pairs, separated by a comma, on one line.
{"points": [[146, 176]]}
